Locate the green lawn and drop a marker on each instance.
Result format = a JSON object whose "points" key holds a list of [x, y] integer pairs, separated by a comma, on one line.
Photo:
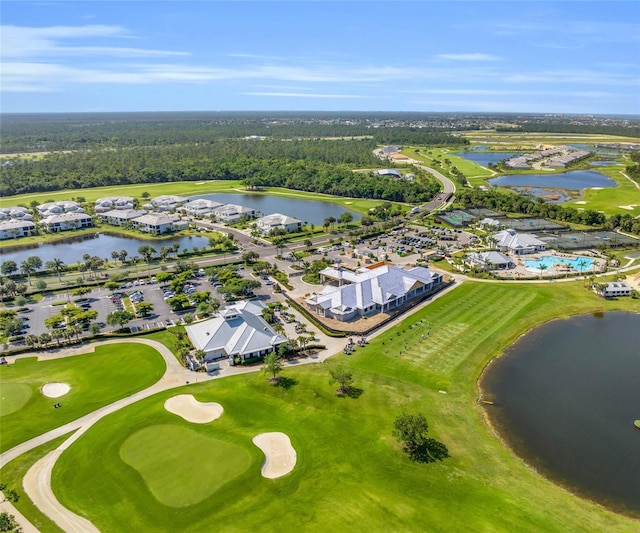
{"points": [[350, 474], [96, 379], [163, 467]]}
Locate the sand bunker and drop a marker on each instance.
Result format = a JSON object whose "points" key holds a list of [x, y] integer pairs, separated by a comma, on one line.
{"points": [[582, 202], [629, 207], [55, 390], [186, 406], [280, 457]]}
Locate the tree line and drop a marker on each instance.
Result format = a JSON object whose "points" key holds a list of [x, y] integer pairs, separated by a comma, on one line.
{"points": [[315, 166]]}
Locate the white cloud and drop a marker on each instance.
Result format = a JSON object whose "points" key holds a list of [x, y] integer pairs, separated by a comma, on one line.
{"points": [[305, 95], [469, 57], [45, 42]]}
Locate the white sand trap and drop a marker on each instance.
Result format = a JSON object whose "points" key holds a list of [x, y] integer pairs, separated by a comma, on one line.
{"points": [[55, 390], [186, 406], [580, 202], [597, 188], [629, 207], [280, 457]]}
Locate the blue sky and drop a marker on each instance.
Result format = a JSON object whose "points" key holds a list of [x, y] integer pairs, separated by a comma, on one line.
{"points": [[508, 56]]}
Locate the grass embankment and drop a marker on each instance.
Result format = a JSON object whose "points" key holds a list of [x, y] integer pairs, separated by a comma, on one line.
{"points": [[96, 379], [350, 474]]}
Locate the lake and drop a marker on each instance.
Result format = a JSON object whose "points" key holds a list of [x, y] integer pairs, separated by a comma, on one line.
{"points": [[574, 180], [484, 158], [565, 399], [72, 249], [311, 211]]}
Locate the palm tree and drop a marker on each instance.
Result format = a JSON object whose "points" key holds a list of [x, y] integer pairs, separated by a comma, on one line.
{"points": [[26, 269], [115, 255], [273, 365], [542, 268], [57, 266]]}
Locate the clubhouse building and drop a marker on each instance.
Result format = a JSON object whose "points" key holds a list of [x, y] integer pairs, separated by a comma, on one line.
{"points": [[366, 291], [239, 332]]}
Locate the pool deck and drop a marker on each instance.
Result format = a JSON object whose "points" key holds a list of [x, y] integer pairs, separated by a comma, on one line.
{"points": [[521, 271]]}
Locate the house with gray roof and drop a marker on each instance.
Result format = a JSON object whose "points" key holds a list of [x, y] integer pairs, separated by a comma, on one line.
{"points": [[120, 217], [489, 261], [109, 203], [613, 289], [73, 220], [231, 213], [369, 291], [156, 223], [200, 207], [276, 221], [509, 240], [238, 332], [15, 228]]}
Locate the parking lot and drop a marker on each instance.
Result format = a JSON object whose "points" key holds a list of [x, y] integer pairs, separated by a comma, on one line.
{"points": [[105, 302]]}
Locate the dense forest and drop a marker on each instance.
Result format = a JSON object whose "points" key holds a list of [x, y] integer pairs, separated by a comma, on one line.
{"points": [[517, 203], [317, 166], [71, 132], [631, 130]]}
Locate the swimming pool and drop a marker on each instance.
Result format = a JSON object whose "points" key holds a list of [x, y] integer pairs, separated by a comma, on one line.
{"points": [[580, 264]]}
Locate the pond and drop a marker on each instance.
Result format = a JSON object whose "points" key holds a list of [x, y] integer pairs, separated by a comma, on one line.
{"points": [[72, 249], [311, 211], [484, 158], [565, 399], [574, 180]]}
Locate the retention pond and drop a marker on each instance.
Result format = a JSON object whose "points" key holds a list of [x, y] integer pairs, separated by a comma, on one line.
{"points": [[565, 397]]}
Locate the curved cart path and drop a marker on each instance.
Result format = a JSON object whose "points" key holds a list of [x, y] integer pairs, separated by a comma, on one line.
{"points": [[37, 481]]}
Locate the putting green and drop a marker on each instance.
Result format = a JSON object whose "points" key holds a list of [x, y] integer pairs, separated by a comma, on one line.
{"points": [[14, 397], [180, 466]]}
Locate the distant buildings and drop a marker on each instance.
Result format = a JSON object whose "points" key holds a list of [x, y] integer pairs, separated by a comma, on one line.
{"points": [[554, 157], [57, 208]]}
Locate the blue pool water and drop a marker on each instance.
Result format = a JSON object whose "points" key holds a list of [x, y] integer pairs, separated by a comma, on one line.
{"points": [[581, 264]]}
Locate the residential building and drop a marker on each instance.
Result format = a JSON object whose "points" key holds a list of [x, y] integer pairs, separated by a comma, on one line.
{"points": [[156, 223], [200, 207], [613, 289], [518, 243], [370, 290], [167, 202], [14, 229], [120, 217], [489, 261], [278, 221], [15, 213], [231, 213], [66, 221], [110, 203], [58, 208], [238, 332]]}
